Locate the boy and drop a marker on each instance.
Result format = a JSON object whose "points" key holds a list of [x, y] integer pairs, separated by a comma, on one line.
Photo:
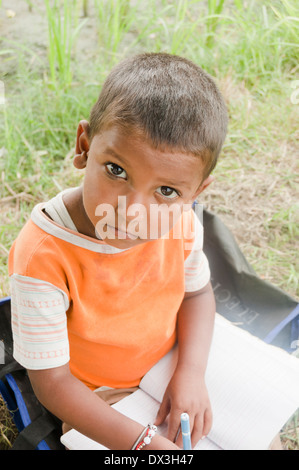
{"points": [[100, 295]]}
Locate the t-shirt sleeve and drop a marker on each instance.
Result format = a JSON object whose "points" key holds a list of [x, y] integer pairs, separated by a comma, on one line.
{"points": [[197, 270], [39, 323]]}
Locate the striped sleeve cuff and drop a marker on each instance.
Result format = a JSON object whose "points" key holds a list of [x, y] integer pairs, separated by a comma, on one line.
{"points": [[39, 323]]}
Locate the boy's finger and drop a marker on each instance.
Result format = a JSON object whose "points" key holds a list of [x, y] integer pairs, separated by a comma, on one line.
{"points": [[197, 431], [163, 412], [208, 420], [173, 426]]}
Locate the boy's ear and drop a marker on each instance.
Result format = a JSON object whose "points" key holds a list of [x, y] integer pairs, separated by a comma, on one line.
{"points": [[200, 189], [204, 185], [82, 145]]}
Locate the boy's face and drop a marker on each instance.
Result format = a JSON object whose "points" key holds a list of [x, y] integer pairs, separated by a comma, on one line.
{"points": [[132, 192]]}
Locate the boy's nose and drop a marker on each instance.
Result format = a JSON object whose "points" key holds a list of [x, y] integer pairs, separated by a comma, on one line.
{"points": [[132, 206], [133, 198]]}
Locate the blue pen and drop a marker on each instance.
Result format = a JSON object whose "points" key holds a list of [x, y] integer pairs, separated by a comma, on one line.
{"points": [[185, 428]]}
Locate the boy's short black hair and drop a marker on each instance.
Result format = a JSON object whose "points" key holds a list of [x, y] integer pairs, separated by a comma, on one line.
{"points": [[171, 100]]}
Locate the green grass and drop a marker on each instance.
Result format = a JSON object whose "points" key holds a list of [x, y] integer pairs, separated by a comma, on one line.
{"points": [[251, 48], [63, 28]]}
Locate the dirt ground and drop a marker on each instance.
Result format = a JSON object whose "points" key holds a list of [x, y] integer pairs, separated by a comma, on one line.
{"points": [[29, 28]]}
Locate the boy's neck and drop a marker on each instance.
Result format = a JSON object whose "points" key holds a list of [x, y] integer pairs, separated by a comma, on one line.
{"points": [[73, 201]]}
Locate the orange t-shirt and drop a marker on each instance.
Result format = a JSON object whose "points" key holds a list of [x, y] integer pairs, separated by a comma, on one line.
{"points": [[118, 310]]}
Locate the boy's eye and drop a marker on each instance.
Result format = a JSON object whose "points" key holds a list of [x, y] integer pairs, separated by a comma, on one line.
{"points": [[116, 170], [170, 193]]}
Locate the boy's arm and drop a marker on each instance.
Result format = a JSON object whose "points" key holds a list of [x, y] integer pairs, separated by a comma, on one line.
{"points": [[74, 403], [187, 391], [196, 320]]}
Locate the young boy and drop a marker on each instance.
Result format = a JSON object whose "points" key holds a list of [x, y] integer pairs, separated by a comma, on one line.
{"points": [[100, 295]]}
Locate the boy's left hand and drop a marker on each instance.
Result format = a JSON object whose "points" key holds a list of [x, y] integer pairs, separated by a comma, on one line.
{"points": [[186, 393]]}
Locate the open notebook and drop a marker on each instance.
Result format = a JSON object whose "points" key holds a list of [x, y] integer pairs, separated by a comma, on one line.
{"points": [[253, 388]]}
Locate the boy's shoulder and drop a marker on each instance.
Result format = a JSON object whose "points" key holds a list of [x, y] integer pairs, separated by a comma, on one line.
{"points": [[35, 253], [29, 240]]}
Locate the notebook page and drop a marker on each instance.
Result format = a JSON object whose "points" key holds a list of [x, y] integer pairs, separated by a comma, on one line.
{"points": [[253, 387], [74, 440]]}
